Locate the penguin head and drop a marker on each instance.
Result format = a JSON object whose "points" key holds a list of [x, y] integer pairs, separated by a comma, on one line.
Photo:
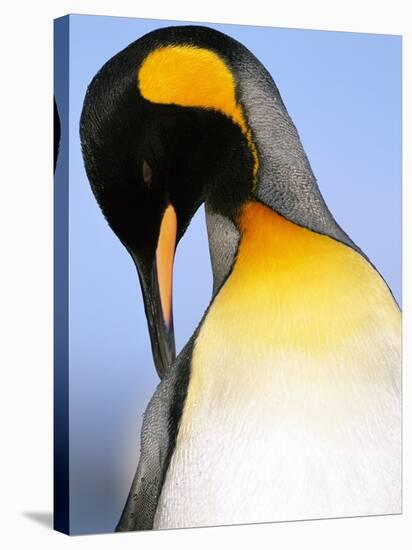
{"points": [[161, 133]]}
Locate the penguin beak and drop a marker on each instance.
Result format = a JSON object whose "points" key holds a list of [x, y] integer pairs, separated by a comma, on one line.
{"points": [[157, 282]]}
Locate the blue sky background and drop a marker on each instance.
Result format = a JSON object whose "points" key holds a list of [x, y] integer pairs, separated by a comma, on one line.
{"points": [[343, 91]]}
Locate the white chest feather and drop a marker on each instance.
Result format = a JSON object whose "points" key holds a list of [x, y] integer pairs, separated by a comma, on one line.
{"points": [[285, 450]]}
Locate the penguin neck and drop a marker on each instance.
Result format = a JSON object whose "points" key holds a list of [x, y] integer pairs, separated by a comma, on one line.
{"points": [[285, 181]]}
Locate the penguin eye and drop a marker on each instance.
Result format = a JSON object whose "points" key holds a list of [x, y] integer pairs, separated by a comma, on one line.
{"points": [[147, 172]]}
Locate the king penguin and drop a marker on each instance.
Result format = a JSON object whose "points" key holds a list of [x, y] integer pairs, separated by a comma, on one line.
{"points": [[285, 402]]}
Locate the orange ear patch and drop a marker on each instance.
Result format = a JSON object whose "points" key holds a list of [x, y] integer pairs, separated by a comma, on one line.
{"points": [[193, 77]]}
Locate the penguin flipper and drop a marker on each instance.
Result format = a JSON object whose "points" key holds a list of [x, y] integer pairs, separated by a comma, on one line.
{"points": [[159, 431], [140, 508]]}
